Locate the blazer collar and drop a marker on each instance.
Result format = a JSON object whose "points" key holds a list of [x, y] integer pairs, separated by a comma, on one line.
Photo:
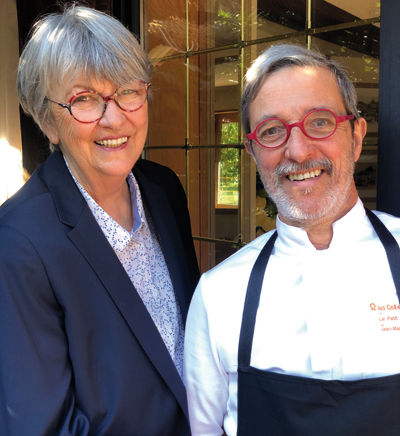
{"points": [[66, 195], [89, 239]]}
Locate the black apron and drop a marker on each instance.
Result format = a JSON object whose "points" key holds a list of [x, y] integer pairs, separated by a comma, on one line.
{"points": [[271, 404]]}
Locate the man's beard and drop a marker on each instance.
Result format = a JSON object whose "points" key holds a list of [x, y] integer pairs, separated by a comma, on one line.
{"points": [[296, 209]]}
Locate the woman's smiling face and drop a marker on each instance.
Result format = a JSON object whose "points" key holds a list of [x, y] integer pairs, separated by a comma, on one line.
{"points": [[107, 148]]}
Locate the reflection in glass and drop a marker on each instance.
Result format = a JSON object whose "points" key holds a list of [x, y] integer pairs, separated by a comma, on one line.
{"points": [[174, 159], [328, 13], [227, 178], [362, 63], [167, 117], [196, 102], [223, 250], [213, 87], [165, 28], [215, 253], [227, 22], [361, 40], [274, 17]]}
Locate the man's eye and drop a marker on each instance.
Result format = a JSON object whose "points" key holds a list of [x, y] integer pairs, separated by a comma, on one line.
{"points": [[270, 131], [321, 122]]}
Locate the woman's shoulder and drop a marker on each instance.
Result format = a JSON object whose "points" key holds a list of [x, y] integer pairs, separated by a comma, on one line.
{"points": [[21, 203]]}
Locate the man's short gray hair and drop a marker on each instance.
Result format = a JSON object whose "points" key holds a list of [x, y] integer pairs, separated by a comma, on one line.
{"points": [[282, 56], [80, 41]]}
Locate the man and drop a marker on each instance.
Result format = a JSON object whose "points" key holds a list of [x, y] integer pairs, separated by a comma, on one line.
{"points": [[298, 332]]}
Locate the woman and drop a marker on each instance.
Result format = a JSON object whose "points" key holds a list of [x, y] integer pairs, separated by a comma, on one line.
{"points": [[97, 264]]}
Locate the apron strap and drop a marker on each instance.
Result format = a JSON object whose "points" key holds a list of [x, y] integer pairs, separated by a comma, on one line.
{"points": [[251, 303], [391, 247]]}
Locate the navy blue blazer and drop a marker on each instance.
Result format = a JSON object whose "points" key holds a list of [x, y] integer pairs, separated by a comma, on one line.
{"points": [[80, 354]]}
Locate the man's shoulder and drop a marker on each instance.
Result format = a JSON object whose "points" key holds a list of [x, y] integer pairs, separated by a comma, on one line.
{"points": [[391, 222]]}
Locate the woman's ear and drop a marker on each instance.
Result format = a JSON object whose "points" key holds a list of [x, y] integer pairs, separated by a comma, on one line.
{"points": [[51, 132]]}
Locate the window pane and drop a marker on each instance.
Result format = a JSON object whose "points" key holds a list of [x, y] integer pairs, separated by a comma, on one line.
{"points": [[207, 220], [362, 63], [214, 253], [213, 87], [353, 42], [214, 23], [167, 116], [165, 28], [252, 52], [204, 116], [328, 13], [226, 228], [172, 158], [198, 192], [227, 159], [266, 18], [228, 177]]}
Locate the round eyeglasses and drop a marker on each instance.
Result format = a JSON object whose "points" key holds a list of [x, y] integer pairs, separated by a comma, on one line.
{"points": [[89, 106], [317, 124]]}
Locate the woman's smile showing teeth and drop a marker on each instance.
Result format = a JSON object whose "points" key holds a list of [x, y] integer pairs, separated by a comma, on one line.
{"points": [[112, 143], [304, 176]]}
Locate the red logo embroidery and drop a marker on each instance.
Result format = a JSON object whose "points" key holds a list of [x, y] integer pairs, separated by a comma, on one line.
{"points": [[388, 319]]}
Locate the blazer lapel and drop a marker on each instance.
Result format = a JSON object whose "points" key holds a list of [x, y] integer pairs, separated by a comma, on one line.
{"points": [[91, 242], [170, 239]]}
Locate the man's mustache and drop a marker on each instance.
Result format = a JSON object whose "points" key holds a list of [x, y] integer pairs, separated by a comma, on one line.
{"points": [[282, 170]]}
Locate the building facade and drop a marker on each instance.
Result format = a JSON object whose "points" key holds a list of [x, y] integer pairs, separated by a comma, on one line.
{"points": [[200, 51]]}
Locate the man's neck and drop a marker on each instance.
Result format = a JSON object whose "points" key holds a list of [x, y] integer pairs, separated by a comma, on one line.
{"points": [[321, 237], [320, 230]]}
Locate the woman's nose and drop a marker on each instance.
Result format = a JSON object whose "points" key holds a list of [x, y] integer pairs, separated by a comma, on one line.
{"points": [[113, 116]]}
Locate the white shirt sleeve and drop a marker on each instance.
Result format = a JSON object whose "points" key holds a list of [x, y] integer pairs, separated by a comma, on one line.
{"points": [[205, 378]]}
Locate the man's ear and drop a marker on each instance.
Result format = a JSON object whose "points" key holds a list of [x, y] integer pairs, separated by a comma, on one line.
{"points": [[249, 148], [360, 129]]}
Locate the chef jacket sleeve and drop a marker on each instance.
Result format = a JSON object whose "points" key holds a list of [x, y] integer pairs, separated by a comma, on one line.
{"points": [[205, 378]]}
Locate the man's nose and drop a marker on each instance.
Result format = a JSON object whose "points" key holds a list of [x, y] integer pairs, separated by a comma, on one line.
{"points": [[298, 146]]}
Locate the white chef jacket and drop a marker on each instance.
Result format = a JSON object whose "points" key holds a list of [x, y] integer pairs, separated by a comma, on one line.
{"points": [[325, 314]]}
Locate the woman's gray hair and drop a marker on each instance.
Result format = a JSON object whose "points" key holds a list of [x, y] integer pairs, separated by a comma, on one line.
{"points": [[80, 41], [287, 55]]}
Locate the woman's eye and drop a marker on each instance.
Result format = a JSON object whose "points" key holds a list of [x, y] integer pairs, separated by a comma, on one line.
{"points": [[83, 98], [129, 92]]}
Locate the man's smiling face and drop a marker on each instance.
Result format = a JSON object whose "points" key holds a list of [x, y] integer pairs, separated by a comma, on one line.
{"points": [[309, 179]]}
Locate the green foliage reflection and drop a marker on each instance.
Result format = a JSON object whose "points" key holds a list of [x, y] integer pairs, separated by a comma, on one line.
{"points": [[228, 170]]}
